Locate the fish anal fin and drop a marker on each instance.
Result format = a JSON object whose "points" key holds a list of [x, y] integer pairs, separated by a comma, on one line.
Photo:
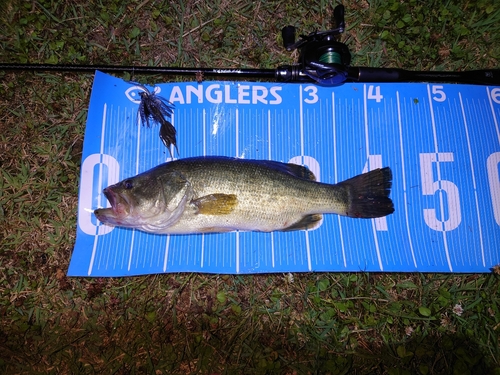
{"points": [[215, 204], [307, 222]]}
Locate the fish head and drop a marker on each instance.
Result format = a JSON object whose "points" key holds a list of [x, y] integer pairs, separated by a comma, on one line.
{"points": [[149, 201]]}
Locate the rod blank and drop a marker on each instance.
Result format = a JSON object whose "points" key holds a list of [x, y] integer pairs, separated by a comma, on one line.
{"points": [[286, 73]]}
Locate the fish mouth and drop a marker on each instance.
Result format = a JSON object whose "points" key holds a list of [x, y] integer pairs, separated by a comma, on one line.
{"points": [[118, 211]]}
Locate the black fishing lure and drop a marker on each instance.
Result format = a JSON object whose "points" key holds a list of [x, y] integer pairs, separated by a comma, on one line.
{"points": [[158, 110]]}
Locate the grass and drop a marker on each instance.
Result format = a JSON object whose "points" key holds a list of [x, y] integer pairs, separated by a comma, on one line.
{"points": [[214, 324]]}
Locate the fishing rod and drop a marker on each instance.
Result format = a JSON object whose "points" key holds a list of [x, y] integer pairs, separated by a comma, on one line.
{"points": [[323, 59]]}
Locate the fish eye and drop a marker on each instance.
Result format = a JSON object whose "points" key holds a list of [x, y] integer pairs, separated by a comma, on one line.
{"points": [[127, 184]]}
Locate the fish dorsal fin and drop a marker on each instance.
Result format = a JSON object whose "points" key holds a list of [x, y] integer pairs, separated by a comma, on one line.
{"points": [[301, 171], [215, 204], [290, 168], [307, 222]]}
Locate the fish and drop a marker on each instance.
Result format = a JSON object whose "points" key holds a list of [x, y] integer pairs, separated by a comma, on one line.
{"points": [[215, 194]]}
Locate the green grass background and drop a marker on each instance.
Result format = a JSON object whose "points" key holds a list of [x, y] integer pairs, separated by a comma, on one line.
{"points": [[326, 323]]}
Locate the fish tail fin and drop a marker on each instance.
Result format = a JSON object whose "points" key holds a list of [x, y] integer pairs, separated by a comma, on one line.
{"points": [[369, 194]]}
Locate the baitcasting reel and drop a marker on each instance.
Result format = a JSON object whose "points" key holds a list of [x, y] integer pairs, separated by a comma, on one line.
{"points": [[325, 60], [322, 57]]}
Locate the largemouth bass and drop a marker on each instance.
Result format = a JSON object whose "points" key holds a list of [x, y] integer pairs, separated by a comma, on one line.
{"points": [[221, 194]]}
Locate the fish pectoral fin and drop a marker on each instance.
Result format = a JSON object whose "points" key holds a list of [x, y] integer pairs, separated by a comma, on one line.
{"points": [[307, 222], [215, 204]]}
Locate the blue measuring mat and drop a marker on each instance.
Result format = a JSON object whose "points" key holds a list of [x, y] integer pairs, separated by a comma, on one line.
{"points": [[441, 141]]}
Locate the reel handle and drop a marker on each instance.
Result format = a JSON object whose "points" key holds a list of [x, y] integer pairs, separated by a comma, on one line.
{"points": [[338, 16], [288, 35]]}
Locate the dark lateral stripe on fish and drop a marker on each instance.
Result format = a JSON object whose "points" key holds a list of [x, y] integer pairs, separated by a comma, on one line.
{"points": [[369, 194]]}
